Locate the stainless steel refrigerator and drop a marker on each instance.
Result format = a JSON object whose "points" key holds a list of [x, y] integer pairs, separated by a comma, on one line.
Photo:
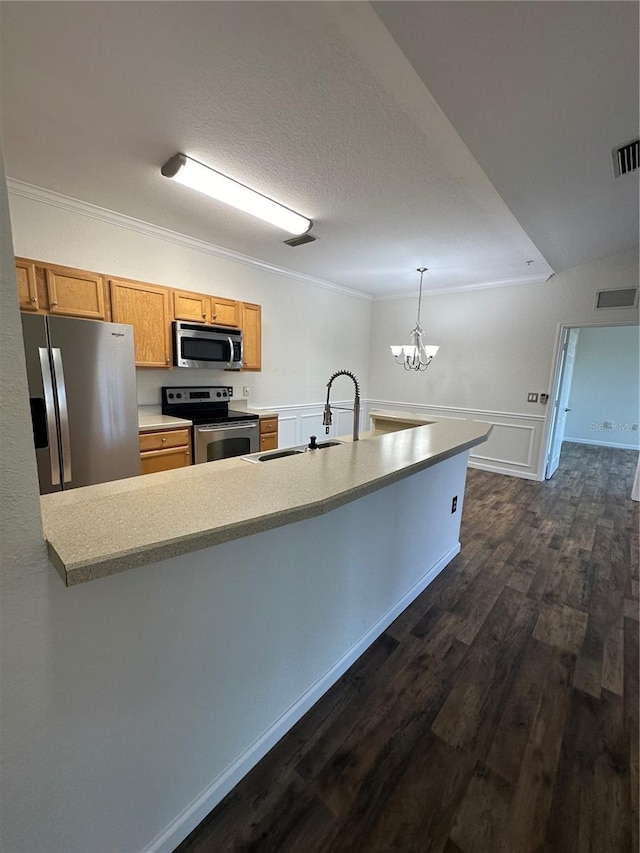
{"points": [[82, 390]]}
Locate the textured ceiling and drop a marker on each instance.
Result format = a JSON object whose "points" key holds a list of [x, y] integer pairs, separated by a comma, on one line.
{"points": [[316, 105]]}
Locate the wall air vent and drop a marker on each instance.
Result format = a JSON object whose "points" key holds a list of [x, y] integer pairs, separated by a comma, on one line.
{"points": [[623, 298], [300, 241], [626, 158]]}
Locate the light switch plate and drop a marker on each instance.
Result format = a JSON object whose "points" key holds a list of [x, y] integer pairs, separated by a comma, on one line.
{"points": [[532, 398]]}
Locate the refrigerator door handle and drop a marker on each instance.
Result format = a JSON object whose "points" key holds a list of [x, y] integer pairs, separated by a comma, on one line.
{"points": [[64, 414], [50, 408]]}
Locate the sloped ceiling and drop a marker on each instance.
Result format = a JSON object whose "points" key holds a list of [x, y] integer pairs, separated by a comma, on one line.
{"points": [[471, 138]]}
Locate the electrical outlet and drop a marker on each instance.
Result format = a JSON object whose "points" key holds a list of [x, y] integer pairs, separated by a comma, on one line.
{"points": [[454, 504], [245, 390], [532, 397], [544, 399]]}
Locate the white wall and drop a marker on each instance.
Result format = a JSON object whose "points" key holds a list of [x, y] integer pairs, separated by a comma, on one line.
{"points": [[308, 331], [496, 345], [605, 389]]}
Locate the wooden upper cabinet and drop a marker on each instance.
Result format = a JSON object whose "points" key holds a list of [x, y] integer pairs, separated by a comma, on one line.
{"points": [[147, 308], [27, 288], [224, 312], [191, 307], [76, 293], [251, 325]]}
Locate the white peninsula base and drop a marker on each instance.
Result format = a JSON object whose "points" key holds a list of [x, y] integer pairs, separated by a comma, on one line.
{"points": [[257, 638]]}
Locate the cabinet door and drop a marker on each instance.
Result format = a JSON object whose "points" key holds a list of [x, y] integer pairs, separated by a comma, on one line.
{"points": [[224, 312], [76, 293], [146, 307], [165, 460], [251, 324], [192, 307], [27, 288]]}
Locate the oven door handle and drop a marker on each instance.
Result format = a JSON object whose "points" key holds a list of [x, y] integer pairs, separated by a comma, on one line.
{"points": [[245, 425]]}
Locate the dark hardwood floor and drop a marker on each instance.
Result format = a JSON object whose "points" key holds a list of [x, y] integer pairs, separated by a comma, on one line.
{"points": [[497, 714]]}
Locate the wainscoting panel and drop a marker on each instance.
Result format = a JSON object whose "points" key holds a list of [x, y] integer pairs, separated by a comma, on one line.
{"points": [[287, 430], [512, 448]]}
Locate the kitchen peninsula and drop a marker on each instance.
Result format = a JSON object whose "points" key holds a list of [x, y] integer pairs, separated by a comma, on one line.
{"points": [[111, 527], [239, 593]]}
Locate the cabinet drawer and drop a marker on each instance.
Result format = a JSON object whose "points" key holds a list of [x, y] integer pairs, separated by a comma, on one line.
{"points": [[268, 425], [165, 439], [269, 441]]}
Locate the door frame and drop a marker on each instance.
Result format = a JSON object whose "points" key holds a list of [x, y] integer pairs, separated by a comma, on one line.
{"points": [[555, 379]]}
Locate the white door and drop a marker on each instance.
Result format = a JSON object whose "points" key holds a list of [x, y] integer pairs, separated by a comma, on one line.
{"points": [[561, 402]]}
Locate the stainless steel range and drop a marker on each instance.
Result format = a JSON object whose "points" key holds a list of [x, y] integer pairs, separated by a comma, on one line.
{"points": [[218, 431]]}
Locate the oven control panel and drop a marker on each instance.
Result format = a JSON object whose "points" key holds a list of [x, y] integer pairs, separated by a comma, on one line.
{"points": [[196, 394]]}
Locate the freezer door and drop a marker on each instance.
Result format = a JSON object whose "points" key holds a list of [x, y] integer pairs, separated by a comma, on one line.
{"points": [[94, 375], [42, 401]]}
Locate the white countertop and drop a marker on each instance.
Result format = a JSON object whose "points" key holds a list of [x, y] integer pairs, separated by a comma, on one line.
{"points": [[111, 527], [151, 417]]}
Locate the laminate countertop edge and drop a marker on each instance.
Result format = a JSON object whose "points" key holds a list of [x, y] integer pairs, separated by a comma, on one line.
{"points": [[102, 530]]}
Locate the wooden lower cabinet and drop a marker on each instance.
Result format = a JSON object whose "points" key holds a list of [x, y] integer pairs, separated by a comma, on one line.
{"points": [[164, 450], [268, 433]]}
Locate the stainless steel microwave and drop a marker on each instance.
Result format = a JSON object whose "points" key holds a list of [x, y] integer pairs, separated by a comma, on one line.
{"points": [[206, 346]]}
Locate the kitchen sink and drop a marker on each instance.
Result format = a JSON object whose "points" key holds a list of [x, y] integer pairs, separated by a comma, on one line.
{"points": [[290, 451], [277, 454]]}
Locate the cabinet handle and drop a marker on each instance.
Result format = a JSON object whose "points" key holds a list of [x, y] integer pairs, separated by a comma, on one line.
{"points": [[54, 302], [166, 361], [164, 439], [34, 298]]}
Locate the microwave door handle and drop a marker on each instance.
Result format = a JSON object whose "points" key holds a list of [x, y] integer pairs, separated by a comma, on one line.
{"points": [[50, 409], [244, 425], [230, 351], [64, 414]]}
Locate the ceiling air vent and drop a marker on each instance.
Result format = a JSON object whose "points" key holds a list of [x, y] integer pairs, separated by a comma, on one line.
{"points": [[626, 158], [300, 241], [624, 298]]}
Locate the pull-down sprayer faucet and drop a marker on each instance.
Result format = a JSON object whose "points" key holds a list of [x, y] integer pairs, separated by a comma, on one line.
{"points": [[326, 420]]}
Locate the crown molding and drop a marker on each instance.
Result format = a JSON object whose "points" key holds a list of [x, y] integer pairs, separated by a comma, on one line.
{"points": [[121, 220], [461, 288]]}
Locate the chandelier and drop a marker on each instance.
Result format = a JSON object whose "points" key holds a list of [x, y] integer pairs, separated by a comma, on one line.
{"points": [[415, 356]]}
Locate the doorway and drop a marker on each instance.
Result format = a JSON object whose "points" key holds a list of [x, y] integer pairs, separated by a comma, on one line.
{"points": [[610, 386]]}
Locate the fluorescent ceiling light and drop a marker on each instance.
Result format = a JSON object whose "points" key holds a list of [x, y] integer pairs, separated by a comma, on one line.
{"points": [[199, 177]]}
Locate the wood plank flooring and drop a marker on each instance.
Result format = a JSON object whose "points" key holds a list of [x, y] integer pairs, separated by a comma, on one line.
{"points": [[497, 714]]}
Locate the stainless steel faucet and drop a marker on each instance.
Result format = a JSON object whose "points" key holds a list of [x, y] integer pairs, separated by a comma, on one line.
{"points": [[326, 420]]}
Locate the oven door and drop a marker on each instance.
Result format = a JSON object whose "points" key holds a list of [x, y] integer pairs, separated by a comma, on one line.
{"points": [[222, 441]]}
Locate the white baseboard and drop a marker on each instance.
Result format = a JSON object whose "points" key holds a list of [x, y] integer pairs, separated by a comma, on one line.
{"points": [[510, 472], [596, 443], [214, 793]]}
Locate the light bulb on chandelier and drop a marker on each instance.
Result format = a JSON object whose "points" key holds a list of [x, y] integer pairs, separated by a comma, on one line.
{"points": [[416, 355]]}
